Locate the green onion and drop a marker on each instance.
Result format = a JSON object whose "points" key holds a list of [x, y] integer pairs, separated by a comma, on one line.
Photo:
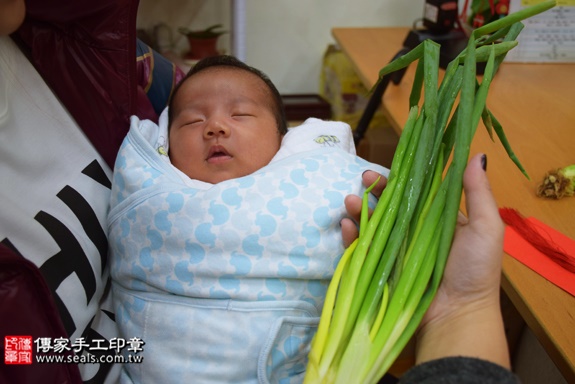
{"points": [[388, 277], [558, 183]]}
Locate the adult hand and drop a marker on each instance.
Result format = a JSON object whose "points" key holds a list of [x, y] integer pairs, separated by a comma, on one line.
{"points": [[349, 229], [11, 15], [473, 270], [464, 319]]}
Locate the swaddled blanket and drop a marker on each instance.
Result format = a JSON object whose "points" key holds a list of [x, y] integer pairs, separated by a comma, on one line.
{"points": [[225, 282]]}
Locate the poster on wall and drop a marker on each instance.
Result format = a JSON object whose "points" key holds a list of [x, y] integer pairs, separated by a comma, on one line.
{"points": [[548, 37]]}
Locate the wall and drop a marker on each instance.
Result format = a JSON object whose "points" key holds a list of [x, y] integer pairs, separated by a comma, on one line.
{"points": [[284, 38], [167, 16]]}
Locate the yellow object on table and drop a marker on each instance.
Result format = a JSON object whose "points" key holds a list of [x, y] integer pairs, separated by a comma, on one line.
{"points": [[344, 90]]}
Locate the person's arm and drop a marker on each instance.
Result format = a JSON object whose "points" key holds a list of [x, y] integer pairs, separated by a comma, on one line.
{"points": [[464, 320], [12, 14], [85, 51], [465, 317]]}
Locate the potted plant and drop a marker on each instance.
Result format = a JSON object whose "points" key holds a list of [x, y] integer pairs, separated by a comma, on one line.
{"points": [[203, 43]]}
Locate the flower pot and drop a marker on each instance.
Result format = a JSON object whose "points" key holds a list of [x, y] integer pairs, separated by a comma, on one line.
{"points": [[202, 47]]}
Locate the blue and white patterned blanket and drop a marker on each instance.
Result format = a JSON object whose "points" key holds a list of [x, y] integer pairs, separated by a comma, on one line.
{"points": [[225, 282]]}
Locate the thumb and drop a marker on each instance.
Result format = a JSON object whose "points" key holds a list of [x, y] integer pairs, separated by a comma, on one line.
{"points": [[480, 203]]}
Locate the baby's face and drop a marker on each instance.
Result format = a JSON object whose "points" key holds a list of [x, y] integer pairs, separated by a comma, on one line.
{"points": [[223, 125]]}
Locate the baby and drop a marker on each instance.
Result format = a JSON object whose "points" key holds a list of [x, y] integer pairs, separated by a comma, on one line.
{"points": [[222, 251], [226, 120]]}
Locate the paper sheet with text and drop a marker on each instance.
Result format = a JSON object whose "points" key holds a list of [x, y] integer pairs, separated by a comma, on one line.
{"points": [[548, 37]]}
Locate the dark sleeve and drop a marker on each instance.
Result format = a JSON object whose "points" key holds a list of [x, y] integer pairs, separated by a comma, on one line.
{"points": [[459, 370], [85, 51], [23, 292]]}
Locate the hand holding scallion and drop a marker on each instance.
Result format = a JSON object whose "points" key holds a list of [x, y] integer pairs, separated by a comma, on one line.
{"points": [[464, 318], [353, 205], [388, 277]]}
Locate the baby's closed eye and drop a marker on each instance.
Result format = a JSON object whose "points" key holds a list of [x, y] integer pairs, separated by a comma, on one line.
{"points": [[242, 115], [192, 121]]}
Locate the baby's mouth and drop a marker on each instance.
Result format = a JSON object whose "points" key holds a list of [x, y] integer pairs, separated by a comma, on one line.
{"points": [[218, 154]]}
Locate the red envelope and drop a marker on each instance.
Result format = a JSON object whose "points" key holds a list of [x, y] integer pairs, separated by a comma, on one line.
{"points": [[522, 250]]}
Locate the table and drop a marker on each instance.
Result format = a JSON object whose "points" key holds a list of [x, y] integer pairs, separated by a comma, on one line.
{"points": [[535, 104]]}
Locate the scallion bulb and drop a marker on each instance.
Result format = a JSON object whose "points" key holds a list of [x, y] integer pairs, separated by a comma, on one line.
{"points": [[558, 184]]}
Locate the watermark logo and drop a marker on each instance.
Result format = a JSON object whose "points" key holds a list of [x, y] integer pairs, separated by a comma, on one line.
{"points": [[26, 350], [18, 350]]}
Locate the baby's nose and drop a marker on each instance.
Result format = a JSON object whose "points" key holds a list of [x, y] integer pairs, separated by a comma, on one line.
{"points": [[216, 128]]}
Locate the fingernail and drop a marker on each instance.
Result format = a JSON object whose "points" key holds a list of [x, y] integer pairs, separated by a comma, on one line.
{"points": [[484, 162]]}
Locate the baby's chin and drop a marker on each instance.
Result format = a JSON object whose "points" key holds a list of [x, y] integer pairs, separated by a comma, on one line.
{"points": [[219, 177], [227, 170]]}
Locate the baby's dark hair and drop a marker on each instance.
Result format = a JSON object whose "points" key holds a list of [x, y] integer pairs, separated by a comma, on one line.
{"points": [[231, 61]]}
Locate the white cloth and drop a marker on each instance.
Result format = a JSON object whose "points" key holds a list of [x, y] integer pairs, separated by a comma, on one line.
{"points": [[312, 134], [227, 281], [54, 198]]}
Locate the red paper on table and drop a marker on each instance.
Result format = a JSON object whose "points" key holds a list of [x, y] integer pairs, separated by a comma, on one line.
{"points": [[522, 250]]}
